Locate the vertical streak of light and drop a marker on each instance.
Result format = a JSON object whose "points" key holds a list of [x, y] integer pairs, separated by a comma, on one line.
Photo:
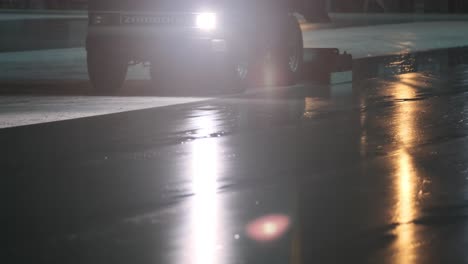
{"points": [[363, 139], [204, 208], [309, 104], [405, 178], [406, 205]]}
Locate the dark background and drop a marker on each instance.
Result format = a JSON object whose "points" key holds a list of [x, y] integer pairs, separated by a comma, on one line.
{"points": [[444, 6]]}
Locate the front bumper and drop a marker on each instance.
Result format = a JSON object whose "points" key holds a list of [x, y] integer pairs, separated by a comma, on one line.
{"points": [[143, 42], [153, 37]]}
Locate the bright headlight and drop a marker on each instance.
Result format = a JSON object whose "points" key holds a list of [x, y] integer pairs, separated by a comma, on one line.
{"points": [[206, 21]]}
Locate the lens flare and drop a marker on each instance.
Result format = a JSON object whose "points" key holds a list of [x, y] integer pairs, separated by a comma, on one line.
{"points": [[268, 228]]}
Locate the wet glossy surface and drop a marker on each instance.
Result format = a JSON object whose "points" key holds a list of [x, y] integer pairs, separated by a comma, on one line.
{"points": [[370, 172]]}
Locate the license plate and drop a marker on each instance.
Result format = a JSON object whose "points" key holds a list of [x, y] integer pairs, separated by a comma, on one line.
{"points": [[149, 20]]}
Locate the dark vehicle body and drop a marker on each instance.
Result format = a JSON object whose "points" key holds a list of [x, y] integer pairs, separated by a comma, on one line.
{"points": [[249, 37]]}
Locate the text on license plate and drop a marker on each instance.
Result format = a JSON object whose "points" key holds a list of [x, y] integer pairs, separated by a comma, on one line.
{"points": [[157, 20]]}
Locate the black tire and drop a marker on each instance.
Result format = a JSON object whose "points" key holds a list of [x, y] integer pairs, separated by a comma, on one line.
{"points": [[107, 68], [291, 53], [238, 69], [295, 49]]}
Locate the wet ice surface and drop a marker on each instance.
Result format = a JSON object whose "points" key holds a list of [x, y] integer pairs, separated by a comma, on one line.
{"points": [[390, 39], [370, 172], [20, 110]]}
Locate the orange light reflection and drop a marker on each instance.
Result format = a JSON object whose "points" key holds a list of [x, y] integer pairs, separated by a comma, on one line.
{"points": [[406, 175]]}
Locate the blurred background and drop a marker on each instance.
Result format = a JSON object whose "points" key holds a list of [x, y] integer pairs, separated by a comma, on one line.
{"points": [[445, 6]]}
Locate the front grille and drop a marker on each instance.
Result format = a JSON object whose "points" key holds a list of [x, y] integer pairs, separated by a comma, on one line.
{"points": [[162, 20], [144, 19]]}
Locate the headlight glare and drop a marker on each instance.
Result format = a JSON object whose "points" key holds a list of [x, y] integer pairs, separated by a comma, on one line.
{"points": [[206, 21]]}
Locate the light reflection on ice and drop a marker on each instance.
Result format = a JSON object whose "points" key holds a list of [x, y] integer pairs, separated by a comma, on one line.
{"points": [[205, 169], [406, 174]]}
